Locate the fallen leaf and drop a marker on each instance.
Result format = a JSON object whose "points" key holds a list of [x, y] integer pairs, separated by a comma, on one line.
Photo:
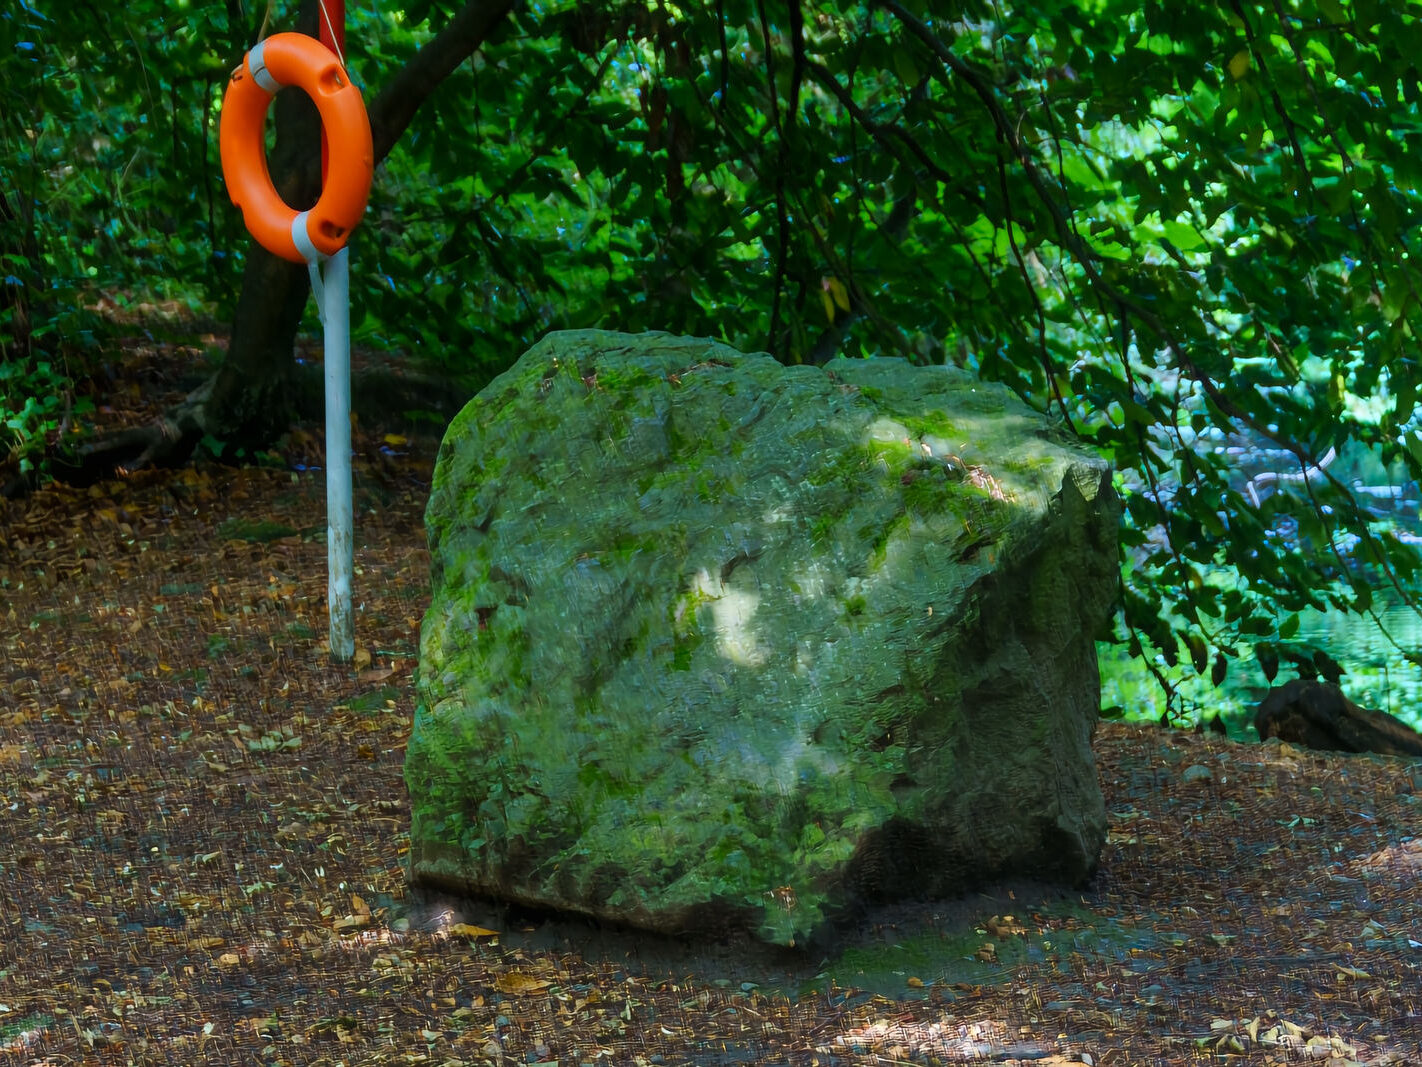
{"points": [[520, 984], [466, 930], [1005, 926]]}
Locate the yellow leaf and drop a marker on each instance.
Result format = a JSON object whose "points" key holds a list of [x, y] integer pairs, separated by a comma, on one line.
{"points": [[914, 983], [840, 294], [520, 984], [1002, 927], [229, 959], [828, 302], [361, 659], [395, 440], [1239, 65], [465, 930]]}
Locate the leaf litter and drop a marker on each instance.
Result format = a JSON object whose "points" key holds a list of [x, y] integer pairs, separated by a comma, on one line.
{"points": [[205, 832]]}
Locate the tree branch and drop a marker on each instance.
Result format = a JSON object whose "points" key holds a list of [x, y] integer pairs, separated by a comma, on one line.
{"points": [[1046, 359], [882, 131], [394, 106], [782, 253], [1290, 128], [797, 54], [1066, 235]]}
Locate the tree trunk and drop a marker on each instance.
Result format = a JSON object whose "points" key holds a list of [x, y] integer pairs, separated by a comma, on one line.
{"points": [[249, 400], [17, 241], [1318, 715]]}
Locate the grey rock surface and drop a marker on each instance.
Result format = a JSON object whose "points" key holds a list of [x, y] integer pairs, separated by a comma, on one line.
{"points": [[717, 641]]}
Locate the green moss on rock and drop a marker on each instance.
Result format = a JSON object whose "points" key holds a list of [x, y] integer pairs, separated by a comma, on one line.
{"points": [[716, 641]]}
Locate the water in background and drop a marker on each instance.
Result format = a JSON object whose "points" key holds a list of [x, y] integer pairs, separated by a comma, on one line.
{"points": [[1377, 675]]}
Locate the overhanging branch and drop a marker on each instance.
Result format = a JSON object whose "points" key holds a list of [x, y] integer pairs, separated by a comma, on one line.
{"points": [[395, 105], [1067, 236], [1086, 257]]}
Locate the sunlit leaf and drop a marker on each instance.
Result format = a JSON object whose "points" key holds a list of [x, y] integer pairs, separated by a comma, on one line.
{"points": [[467, 930], [518, 983]]}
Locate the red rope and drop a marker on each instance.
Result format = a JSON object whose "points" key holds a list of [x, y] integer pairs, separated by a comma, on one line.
{"points": [[332, 33]]}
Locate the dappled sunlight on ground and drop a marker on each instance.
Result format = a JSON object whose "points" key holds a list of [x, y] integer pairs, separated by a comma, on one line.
{"points": [[206, 828]]}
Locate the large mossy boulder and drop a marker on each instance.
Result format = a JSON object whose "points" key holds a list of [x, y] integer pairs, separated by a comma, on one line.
{"points": [[717, 641]]}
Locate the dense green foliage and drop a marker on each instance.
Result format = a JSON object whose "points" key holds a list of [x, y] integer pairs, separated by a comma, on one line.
{"points": [[111, 187], [1182, 227]]}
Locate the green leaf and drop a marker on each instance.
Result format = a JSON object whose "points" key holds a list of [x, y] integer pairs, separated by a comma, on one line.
{"points": [[905, 66], [1268, 656], [1184, 237]]}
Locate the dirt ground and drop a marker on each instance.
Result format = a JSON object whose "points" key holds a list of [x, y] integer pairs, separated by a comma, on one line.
{"points": [[205, 826]]}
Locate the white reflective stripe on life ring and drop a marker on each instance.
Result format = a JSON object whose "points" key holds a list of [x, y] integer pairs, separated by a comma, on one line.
{"points": [[301, 237], [258, 67]]}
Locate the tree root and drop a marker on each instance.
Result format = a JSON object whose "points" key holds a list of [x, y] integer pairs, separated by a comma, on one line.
{"points": [[166, 441], [383, 397]]}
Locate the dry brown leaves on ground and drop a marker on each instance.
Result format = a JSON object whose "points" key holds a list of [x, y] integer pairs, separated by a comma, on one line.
{"points": [[205, 826]]}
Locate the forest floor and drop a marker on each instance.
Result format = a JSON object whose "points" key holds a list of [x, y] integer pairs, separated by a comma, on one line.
{"points": [[205, 831]]}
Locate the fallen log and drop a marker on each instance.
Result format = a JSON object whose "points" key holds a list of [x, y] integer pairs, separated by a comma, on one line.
{"points": [[1318, 715]]}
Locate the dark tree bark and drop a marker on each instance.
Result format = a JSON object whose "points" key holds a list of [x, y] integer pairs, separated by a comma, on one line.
{"points": [[1318, 715], [17, 239], [249, 400]]}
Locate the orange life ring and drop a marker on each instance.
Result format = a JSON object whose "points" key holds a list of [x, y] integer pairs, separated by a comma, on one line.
{"points": [[295, 59]]}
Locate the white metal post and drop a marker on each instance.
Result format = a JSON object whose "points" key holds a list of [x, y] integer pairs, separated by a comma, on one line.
{"points": [[340, 540]]}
